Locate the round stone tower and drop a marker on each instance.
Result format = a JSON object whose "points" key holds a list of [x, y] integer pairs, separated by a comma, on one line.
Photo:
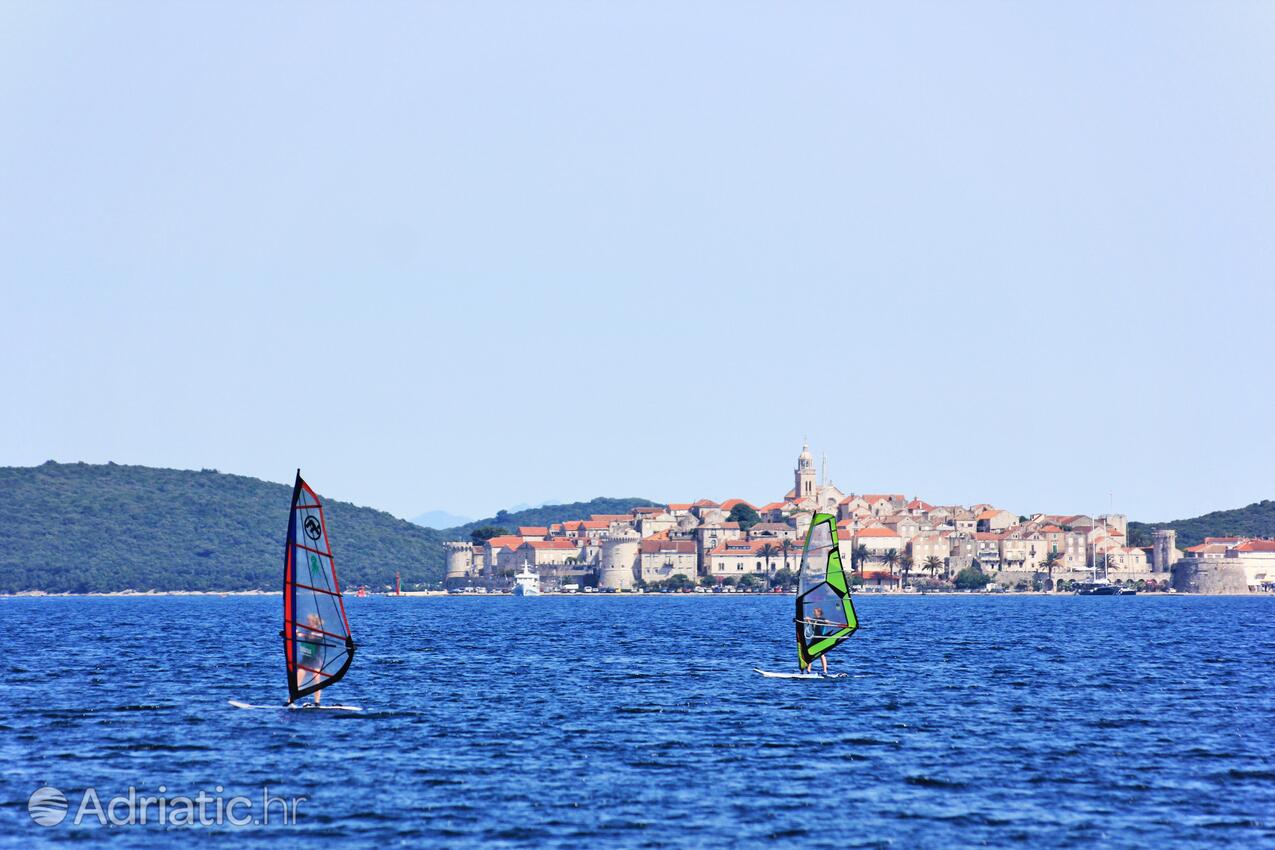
{"points": [[460, 562], [618, 567], [1163, 550]]}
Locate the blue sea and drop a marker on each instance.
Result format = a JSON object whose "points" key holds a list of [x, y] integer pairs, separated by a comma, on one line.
{"points": [[616, 722]]}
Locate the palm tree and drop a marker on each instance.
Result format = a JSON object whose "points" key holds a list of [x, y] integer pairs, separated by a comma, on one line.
{"points": [[785, 546], [859, 556], [1051, 561], [889, 558], [905, 564], [768, 551], [933, 565]]}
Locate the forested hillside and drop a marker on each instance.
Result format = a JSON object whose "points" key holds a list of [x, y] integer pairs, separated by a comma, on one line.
{"points": [[547, 514], [96, 528], [1255, 520], [86, 528]]}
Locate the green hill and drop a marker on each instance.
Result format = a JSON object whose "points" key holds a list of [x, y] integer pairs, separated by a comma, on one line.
{"points": [[1255, 520], [80, 528], [84, 528], [548, 514]]}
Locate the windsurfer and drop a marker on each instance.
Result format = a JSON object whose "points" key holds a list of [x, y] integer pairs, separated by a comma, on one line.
{"points": [[820, 628], [311, 638]]}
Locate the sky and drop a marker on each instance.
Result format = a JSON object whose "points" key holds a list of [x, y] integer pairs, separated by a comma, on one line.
{"points": [[466, 255]]}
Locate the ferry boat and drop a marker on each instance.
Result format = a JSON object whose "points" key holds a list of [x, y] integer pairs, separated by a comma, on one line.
{"points": [[526, 582]]}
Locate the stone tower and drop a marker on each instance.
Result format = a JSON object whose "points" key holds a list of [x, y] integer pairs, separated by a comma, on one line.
{"points": [[460, 562], [1163, 550], [618, 569], [805, 474]]}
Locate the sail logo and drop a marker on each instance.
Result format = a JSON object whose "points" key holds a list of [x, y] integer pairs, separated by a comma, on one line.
{"points": [[47, 806], [313, 529], [315, 569]]}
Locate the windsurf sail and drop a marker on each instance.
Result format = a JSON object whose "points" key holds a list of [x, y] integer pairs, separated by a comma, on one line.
{"points": [[825, 611], [316, 634]]}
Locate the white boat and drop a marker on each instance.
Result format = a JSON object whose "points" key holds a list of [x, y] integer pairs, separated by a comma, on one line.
{"points": [[526, 582]]}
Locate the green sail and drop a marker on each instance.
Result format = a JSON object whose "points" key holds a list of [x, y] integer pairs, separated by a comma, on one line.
{"points": [[825, 611]]}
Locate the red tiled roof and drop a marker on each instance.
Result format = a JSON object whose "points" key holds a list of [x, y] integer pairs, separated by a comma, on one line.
{"points": [[1051, 529], [1256, 546], [742, 547], [988, 535], [730, 503], [679, 506], [705, 503], [916, 504], [773, 506], [988, 514], [595, 524], [532, 530], [875, 532], [513, 541], [553, 544]]}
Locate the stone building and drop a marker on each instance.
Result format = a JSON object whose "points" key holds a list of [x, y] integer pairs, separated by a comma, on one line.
{"points": [[661, 559]]}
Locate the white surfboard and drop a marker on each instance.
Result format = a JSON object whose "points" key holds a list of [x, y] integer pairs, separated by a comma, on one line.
{"points": [[297, 706], [770, 674]]}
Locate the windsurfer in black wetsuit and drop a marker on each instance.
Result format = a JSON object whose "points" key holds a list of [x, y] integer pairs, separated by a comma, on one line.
{"points": [[819, 629]]}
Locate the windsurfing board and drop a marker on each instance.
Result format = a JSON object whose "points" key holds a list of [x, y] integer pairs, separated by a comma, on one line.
{"points": [[770, 674], [297, 706]]}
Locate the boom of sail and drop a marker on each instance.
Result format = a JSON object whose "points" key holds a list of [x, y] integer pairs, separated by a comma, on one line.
{"points": [[825, 611], [316, 633]]}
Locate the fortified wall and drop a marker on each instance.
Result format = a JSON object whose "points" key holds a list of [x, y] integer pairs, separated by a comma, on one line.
{"points": [[1209, 575]]}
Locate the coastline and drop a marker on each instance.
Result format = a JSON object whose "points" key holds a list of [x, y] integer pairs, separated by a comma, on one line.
{"points": [[442, 594]]}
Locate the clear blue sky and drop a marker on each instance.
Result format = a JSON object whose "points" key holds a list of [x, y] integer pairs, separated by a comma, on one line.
{"points": [[467, 255]]}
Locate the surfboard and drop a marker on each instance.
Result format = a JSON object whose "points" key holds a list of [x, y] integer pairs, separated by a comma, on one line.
{"points": [[297, 706], [770, 674]]}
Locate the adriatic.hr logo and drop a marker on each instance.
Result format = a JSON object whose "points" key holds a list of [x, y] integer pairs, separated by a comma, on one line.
{"points": [[49, 807]]}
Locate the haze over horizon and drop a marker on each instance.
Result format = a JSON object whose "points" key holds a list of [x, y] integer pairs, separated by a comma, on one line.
{"points": [[463, 257]]}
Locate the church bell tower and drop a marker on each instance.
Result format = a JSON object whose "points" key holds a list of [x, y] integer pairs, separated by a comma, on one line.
{"points": [[805, 473]]}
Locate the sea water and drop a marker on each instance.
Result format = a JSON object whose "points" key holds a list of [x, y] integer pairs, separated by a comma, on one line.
{"points": [[622, 722]]}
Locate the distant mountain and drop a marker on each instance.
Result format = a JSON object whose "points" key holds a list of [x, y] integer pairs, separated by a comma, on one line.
{"points": [[97, 528], [1255, 520], [440, 519], [547, 514]]}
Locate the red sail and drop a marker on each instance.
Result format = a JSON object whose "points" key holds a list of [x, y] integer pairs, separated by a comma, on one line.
{"points": [[316, 633]]}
